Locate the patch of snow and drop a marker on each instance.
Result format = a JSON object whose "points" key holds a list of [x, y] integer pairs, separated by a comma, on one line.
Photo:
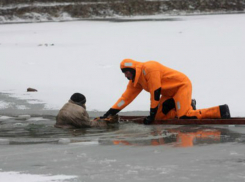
{"points": [[22, 177]]}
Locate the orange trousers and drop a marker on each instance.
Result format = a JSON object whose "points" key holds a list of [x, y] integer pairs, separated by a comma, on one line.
{"points": [[183, 108]]}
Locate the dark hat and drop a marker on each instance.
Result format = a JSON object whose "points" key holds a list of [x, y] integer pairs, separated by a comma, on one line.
{"points": [[78, 98]]}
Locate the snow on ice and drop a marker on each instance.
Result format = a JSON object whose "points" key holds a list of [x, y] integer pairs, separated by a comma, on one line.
{"points": [[85, 57]]}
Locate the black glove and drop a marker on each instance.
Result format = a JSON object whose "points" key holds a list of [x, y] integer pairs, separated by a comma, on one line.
{"points": [[111, 111], [150, 119]]}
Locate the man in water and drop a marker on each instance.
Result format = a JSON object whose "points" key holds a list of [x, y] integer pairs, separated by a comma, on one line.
{"points": [[74, 115], [170, 93]]}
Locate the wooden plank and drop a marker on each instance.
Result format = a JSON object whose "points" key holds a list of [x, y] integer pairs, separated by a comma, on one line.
{"points": [[231, 121]]}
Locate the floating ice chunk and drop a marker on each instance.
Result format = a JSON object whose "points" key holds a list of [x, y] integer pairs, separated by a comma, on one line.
{"points": [[107, 161], [233, 153], [38, 119], [132, 172], [34, 102], [2, 118], [23, 117], [82, 155], [86, 143], [64, 141], [4, 105], [18, 124], [4, 141], [21, 107]]}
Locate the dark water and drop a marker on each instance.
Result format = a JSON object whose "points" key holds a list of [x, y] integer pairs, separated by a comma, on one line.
{"points": [[41, 130]]}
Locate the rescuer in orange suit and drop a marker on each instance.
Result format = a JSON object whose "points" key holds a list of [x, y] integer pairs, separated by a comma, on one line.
{"points": [[170, 93]]}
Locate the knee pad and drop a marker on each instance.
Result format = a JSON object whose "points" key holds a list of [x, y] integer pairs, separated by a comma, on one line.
{"points": [[168, 105]]}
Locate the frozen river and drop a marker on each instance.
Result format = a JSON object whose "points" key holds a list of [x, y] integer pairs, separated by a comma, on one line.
{"points": [[59, 59], [122, 152]]}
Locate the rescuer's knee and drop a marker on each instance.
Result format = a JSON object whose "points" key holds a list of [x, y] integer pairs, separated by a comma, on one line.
{"points": [[188, 117], [168, 105]]}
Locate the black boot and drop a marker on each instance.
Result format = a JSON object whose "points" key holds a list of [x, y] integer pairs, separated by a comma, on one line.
{"points": [[193, 104], [224, 111]]}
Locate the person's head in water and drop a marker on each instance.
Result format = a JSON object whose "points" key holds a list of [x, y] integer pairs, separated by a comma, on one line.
{"points": [[129, 73], [78, 98]]}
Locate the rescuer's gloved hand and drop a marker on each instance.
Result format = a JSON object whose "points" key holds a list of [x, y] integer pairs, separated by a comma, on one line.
{"points": [[110, 112], [148, 120]]}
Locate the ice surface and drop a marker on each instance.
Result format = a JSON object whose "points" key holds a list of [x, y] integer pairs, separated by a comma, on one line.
{"points": [[85, 57], [59, 59]]}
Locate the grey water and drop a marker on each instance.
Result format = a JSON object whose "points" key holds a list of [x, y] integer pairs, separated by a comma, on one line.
{"points": [[36, 130], [123, 152]]}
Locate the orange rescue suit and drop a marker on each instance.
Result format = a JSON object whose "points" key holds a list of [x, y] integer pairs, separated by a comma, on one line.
{"points": [[152, 77]]}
